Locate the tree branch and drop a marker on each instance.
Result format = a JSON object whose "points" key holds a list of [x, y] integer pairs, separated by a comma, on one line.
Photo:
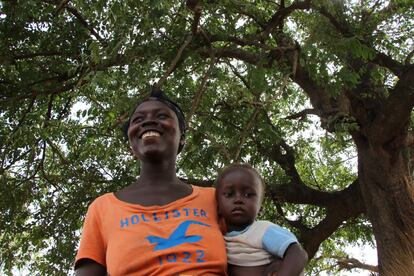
{"points": [[249, 41], [318, 95], [342, 26], [222, 148], [84, 23], [61, 6], [200, 91], [352, 263], [302, 114], [194, 6], [174, 62], [381, 59], [408, 58], [248, 128], [340, 206], [396, 110], [39, 54], [386, 61], [278, 18], [227, 52]]}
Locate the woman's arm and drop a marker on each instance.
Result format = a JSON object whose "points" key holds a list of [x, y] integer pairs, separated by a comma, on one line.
{"points": [[88, 267]]}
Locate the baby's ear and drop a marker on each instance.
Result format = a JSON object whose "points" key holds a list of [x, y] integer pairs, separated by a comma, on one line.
{"points": [[261, 212]]}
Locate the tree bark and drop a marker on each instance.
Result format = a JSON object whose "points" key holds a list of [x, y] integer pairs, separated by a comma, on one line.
{"points": [[388, 193]]}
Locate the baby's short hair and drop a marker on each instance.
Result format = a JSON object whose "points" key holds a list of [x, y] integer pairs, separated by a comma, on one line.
{"points": [[236, 166]]}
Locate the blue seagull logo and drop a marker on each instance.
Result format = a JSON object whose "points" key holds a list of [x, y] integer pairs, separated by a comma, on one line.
{"points": [[177, 237]]}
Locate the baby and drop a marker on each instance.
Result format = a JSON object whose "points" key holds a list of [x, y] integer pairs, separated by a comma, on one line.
{"points": [[253, 244]]}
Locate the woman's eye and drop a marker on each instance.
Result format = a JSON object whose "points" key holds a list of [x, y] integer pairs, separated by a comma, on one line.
{"points": [[137, 119], [162, 116]]}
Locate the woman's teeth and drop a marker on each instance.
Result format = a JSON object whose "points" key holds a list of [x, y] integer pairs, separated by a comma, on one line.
{"points": [[150, 134]]}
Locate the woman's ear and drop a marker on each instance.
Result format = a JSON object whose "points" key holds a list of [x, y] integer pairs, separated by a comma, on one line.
{"points": [[182, 139], [181, 143], [131, 153]]}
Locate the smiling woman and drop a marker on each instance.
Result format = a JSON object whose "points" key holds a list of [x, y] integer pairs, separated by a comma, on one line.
{"points": [[157, 225], [158, 96]]}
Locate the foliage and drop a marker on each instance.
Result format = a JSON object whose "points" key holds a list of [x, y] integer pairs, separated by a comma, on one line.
{"points": [[260, 81]]}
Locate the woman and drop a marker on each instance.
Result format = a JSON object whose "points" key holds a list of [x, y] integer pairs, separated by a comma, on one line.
{"points": [[157, 225]]}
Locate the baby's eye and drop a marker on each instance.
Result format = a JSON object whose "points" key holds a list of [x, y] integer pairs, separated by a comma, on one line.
{"points": [[250, 194], [227, 194]]}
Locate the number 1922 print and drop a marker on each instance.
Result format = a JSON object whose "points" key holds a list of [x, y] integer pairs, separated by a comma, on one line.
{"points": [[184, 257]]}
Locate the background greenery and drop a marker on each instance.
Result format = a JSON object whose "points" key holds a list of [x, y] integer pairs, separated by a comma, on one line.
{"points": [[263, 82]]}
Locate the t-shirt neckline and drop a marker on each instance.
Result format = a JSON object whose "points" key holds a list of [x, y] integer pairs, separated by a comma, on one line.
{"points": [[194, 193]]}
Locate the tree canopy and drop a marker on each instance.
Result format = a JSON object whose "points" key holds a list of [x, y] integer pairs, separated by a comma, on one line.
{"points": [[316, 94]]}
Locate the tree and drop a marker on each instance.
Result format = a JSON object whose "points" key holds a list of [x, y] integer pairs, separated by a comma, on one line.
{"points": [[256, 79]]}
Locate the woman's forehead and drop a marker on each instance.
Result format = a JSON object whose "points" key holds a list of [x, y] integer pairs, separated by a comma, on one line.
{"points": [[151, 105]]}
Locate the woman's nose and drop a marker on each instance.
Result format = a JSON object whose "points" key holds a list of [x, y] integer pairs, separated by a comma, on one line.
{"points": [[149, 121]]}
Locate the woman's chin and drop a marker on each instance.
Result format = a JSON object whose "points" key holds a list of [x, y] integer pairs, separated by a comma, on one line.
{"points": [[153, 155]]}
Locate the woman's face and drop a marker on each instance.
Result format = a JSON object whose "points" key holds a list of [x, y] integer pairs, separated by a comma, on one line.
{"points": [[153, 132]]}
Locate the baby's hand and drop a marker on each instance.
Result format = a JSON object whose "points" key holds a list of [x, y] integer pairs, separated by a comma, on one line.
{"points": [[273, 268]]}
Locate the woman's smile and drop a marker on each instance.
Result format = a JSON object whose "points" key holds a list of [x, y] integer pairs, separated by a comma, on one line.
{"points": [[149, 134]]}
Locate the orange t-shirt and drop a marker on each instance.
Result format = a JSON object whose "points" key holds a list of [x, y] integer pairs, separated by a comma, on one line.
{"points": [[180, 238]]}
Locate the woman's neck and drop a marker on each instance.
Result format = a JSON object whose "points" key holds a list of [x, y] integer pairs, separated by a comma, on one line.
{"points": [[158, 174]]}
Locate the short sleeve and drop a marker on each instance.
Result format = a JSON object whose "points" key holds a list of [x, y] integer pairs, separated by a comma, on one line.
{"points": [[277, 239], [92, 245]]}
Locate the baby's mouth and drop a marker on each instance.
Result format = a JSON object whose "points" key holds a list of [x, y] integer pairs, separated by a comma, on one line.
{"points": [[237, 211]]}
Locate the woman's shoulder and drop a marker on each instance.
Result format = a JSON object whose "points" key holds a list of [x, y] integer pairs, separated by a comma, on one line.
{"points": [[102, 200], [204, 190]]}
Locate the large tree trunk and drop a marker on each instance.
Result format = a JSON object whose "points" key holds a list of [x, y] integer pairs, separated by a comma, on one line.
{"points": [[388, 193]]}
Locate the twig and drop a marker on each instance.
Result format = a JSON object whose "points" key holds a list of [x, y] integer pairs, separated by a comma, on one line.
{"points": [[174, 62], [409, 56], [352, 263], [221, 147], [61, 6], [196, 8], [302, 114], [246, 130], [83, 21], [201, 89]]}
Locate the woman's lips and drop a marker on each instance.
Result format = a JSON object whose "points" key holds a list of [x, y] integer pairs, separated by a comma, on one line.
{"points": [[149, 134]]}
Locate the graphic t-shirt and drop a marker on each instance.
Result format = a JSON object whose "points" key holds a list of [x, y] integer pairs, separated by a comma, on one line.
{"points": [[180, 238]]}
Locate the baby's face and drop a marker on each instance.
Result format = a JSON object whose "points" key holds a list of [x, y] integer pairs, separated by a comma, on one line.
{"points": [[239, 195]]}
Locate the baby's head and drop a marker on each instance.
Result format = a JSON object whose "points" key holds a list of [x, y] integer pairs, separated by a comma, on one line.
{"points": [[240, 191]]}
